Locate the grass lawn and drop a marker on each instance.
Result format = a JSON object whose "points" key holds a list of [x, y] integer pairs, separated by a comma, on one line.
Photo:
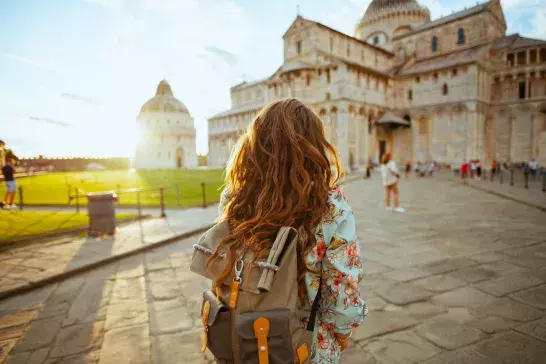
{"points": [[16, 224], [54, 189]]}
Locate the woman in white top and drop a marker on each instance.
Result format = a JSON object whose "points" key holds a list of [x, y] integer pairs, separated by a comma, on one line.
{"points": [[390, 175]]}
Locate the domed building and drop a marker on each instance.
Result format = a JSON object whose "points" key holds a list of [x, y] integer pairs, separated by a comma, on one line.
{"points": [[386, 19], [167, 133], [447, 90]]}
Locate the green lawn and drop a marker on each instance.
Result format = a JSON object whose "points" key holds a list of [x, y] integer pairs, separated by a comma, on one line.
{"points": [[54, 189], [16, 224]]}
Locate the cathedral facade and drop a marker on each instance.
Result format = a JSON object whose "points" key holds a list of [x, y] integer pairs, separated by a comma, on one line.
{"points": [[167, 133], [447, 90]]}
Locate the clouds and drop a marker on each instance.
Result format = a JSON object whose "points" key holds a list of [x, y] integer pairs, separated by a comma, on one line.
{"points": [[85, 99], [33, 62], [47, 120]]}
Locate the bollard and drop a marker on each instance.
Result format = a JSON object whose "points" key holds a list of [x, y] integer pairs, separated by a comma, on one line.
{"points": [[492, 174], [138, 203], [543, 181], [20, 197], [484, 174], [162, 197], [500, 176], [512, 176], [526, 175], [101, 209], [204, 195], [177, 189], [77, 200]]}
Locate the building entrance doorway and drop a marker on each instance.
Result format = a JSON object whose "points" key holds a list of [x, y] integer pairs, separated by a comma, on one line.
{"points": [[179, 158], [382, 149]]}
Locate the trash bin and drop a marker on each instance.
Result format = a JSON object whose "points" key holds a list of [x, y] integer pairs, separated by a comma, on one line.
{"points": [[101, 209]]}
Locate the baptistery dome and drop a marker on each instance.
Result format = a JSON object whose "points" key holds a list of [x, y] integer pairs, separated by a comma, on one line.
{"points": [[163, 101]]}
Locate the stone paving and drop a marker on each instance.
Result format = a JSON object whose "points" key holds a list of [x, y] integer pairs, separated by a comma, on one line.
{"points": [[459, 278], [28, 264]]}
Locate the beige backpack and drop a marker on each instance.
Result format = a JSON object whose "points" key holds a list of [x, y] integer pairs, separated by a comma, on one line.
{"points": [[251, 317]]}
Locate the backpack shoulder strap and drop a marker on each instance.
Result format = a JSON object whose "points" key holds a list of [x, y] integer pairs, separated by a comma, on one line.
{"points": [[315, 305]]}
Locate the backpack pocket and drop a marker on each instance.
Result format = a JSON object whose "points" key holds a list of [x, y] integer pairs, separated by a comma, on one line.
{"points": [[264, 337], [216, 319]]}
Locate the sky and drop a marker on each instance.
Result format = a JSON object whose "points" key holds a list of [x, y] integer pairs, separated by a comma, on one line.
{"points": [[74, 73]]}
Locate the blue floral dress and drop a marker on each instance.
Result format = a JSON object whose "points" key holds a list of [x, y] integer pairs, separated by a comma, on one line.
{"points": [[341, 308]]}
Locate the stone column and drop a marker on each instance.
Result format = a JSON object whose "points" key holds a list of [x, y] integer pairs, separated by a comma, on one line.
{"points": [[343, 132]]}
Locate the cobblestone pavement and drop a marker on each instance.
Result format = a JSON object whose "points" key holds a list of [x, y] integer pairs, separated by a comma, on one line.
{"points": [[31, 263], [459, 278]]}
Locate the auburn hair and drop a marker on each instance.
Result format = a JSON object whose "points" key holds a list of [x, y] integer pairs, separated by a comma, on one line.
{"points": [[386, 158], [279, 174]]}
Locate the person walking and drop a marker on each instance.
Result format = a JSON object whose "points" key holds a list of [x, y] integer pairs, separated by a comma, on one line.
{"points": [[479, 168], [533, 167], [408, 169], [464, 171], [8, 171], [473, 169], [390, 177], [282, 177], [369, 166]]}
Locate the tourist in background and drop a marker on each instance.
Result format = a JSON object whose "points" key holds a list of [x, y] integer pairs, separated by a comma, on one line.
{"points": [[417, 168], [533, 166], [408, 169], [369, 168], [479, 168], [431, 168], [390, 176], [8, 171], [473, 169], [493, 167], [464, 171]]}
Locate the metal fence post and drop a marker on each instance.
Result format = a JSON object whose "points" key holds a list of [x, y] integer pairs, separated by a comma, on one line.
{"points": [[492, 174], [177, 189], [204, 194], [119, 190], [77, 200], [20, 197], [138, 203], [512, 176], [69, 194], [162, 197], [526, 175], [543, 181]]}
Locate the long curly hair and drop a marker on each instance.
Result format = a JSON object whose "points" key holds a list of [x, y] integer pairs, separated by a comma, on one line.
{"points": [[279, 174]]}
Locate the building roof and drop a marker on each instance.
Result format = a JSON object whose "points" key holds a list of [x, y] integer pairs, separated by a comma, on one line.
{"points": [[447, 19], [390, 118], [163, 101], [464, 56], [237, 110], [342, 34], [516, 41]]}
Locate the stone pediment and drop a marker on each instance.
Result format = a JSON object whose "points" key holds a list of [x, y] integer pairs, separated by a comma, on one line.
{"points": [[297, 25], [496, 9]]}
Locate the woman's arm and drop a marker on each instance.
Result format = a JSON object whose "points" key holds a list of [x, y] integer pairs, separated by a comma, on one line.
{"points": [[342, 306]]}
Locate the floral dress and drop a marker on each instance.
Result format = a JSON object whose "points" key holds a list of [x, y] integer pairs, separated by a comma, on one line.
{"points": [[337, 255]]}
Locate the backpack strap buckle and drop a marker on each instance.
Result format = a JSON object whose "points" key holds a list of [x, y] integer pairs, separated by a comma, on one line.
{"points": [[261, 330]]}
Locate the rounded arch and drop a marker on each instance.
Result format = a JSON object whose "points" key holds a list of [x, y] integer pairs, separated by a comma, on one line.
{"points": [[402, 29], [361, 111], [333, 109], [322, 112]]}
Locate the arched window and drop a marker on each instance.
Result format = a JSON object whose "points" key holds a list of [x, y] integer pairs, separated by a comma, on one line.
{"points": [[376, 40], [410, 95], [444, 89], [435, 44], [298, 46], [460, 36]]}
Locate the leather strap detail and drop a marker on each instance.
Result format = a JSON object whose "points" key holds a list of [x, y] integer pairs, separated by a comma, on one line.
{"points": [[204, 319], [303, 353], [234, 294], [261, 330]]}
